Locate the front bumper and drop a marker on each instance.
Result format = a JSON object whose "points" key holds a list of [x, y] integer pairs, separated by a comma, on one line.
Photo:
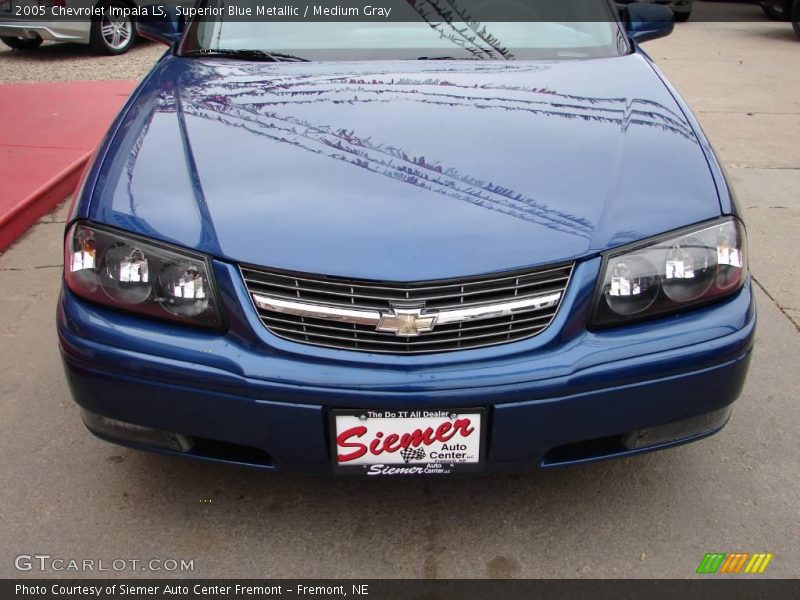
{"points": [[567, 395]]}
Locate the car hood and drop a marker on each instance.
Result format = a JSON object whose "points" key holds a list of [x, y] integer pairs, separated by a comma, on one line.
{"points": [[403, 170]]}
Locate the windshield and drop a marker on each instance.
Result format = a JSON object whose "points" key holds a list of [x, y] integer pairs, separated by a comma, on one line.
{"points": [[573, 29]]}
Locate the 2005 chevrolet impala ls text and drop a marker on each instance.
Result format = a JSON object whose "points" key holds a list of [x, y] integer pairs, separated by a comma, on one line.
{"points": [[400, 248]]}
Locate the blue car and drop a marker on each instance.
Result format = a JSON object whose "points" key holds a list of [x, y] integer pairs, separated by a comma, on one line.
{"points": [[392, 247]]}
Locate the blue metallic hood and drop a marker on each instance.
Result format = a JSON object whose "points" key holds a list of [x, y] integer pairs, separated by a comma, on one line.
{"points": [[403, 170]]}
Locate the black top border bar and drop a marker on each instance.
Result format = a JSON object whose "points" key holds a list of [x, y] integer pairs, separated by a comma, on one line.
{"points": [[371, 10]]}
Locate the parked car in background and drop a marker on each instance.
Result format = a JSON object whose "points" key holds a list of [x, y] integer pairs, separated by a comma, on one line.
{"points": [[783, 10], [25, 24], [777, 10], [682, 9]]}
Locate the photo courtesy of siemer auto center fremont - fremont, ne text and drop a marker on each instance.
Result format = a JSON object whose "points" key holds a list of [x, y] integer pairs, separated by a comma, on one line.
{"points": [[452, 299]]}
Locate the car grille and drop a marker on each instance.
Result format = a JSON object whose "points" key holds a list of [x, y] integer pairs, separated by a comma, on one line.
{"points": [[437, 297]]}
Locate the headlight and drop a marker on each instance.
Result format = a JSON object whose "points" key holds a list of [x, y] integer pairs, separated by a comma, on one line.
{"points": [[145, 277], [671, 273]]}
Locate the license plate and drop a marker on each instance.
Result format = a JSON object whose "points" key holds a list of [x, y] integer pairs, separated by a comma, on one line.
{"points": [[408, 442]]}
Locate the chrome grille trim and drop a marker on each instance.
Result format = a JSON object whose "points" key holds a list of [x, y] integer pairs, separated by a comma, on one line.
{"points": [[294, 288], [317, 311], [465, 313]]}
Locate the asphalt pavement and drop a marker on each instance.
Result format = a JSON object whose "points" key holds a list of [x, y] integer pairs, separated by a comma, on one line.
{"points": [[66, 494]]}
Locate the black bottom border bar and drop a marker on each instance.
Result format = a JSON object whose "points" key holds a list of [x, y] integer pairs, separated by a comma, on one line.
{"points": [[708, 587]]}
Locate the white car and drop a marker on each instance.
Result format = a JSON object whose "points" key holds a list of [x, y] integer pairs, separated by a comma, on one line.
{"points": [[109, 27]]}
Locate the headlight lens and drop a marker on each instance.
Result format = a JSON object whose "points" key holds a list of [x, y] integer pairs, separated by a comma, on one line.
{"points": [[184, 289], [128, 272], [674, 272]]}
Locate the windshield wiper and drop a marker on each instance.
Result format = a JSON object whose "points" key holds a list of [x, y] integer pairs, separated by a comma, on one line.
{"points": [[288, 57], [246, 55], [448, 58]]}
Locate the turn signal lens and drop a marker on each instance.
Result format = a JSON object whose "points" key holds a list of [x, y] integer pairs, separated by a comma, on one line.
{"points": [[672, 273], [138, 275], [82, 257]]}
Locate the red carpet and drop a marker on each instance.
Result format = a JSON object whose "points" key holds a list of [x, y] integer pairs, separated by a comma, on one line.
{"points": [[47, 133]]}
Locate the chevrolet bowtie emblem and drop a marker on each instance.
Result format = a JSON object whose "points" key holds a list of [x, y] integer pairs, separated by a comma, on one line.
{"points": [[406, 322]]}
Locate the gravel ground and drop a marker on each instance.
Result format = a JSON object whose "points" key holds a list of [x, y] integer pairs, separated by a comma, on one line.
{"points": [[75, 62]]}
